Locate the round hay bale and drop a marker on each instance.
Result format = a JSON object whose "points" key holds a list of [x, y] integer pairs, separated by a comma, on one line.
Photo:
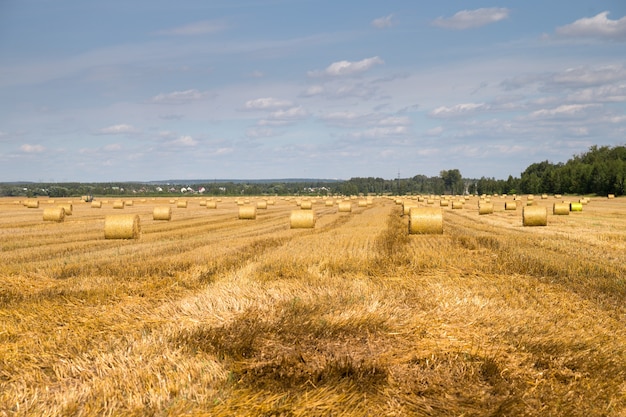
{"points": [[560, 209], [406, 206], [443, 203], [576, 207], [261, 205], [457, 205], [544, 196], [129, 203], [302, 219], [32, 204], [345, 207], [425, 220], [181, 204], [306, 205], [202, 203], [534, 216], [211, 204], [118, 204], [362, 203], [510, 205], [329, 203], [96, 204], [122, 226], [485, 208], [54, 214], [530, 203], [247, 212], [67, 208], [611, 196], [162, 213]]}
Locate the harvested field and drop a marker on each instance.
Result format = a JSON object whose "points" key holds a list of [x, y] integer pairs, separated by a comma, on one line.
{"points": [[209, 315]]}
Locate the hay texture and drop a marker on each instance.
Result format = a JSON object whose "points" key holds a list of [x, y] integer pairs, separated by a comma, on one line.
{"points": [[406, 206], [425, 220], [118, 204], [329, 203], [67, 208], [32, 204], [485, 208], [122, 226], [162, 213], [534, 216], [510, 205], [576, 207], [306, 205], [443, 203], [54, 214], [96, 204], [457, 205], [345, 207], [302, 219], [560, 209], [129, 203], [611, 196], [247, 212], [181, 204], [211, 204], [261, 205], [362, 203]]}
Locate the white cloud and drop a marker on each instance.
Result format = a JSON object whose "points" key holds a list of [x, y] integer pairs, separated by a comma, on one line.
{"points": [[193, 29], [120, 129], [267, 103], [186, 141], [599, 26], [381, 132], [383, 22], [314, 90], [32, 148], [341, 68], [179, 97], [584, 76], [566, 110], [458, 110], [468, 19], [284, 117]]}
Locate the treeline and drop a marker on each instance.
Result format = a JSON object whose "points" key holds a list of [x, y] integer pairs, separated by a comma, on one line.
{"points": [[601, 170]]}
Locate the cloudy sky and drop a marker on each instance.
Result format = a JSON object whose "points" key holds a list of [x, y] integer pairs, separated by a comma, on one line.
{"points": [[143, 90]]}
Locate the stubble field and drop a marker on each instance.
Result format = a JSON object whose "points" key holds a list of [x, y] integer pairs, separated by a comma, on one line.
{"points": [[207, 314]]}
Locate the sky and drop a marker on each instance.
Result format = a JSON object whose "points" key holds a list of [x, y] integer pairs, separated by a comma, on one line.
{"points": [[118, 90]]}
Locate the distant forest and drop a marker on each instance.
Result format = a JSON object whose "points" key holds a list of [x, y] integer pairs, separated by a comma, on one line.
{"points": [[600, 171]]}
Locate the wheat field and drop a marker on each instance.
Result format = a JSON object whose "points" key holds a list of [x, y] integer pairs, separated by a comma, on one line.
{"points": [[207, 314]]}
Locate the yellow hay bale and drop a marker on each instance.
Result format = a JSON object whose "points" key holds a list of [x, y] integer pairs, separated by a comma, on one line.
{"points": [[557, 196], [53, 214], [560, 209], [329, 203], [162, 213], [443, 203], [544, 196], [345, 207], [122, 226], [457, 205], [211, 204], [247, 212], [96, 204], [485, 208], [306, 205], [172, 201], [261, 205], [530, 203], [118, 204], [611, 196], [67, 208], [202, 203], [128, 203], [530, 197], [534, 216], [181, 204], [430, 201], [32, 204], [510, 205], [271, 202], [302, 219], [406, 206], [362, 203], [425, 220], [575, 207], [583, 201]]}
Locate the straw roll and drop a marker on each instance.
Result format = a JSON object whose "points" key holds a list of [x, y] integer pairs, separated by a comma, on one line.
{"points": [[96, 204], [162, 213], [118, 204], [122, 226], [425, 220], [302, 219], [534, 216], [54, 214], [306, 205], [345, 207], [181, 204], [67, 208], [576, 207], [485, 208], [510, 205], [247, 212], [560, 209], [211, 204]]}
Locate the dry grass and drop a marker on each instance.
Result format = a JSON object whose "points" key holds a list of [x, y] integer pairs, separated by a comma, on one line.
{"points": [[209, 315]]}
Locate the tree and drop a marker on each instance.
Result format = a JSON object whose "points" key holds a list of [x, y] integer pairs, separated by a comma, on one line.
{"points": [[453, 181]]}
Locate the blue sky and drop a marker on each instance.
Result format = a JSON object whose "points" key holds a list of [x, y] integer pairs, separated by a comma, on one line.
{"points": [[141, 90]]}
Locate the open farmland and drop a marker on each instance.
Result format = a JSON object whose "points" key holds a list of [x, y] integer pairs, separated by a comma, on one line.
{"points": [[207, 314]]}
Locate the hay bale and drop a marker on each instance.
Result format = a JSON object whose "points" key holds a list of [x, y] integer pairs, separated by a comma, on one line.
{"points": [[118, 204], [510, 205], [181, 204], [443, 203], [457, 205], [611, 196], [485, 208], [406, 206], [345, 207], [261, 205], [54, 214], [362, 203], [129, 203], [67, 208], [96, 204], [329, 203], [247, 212], [32, 204], [306, 205], [576, 207], [560, 209], [202, 203], [162, 213], [302, 219], [211, 204], [534, 216], [122, 226], [425, 220]]}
